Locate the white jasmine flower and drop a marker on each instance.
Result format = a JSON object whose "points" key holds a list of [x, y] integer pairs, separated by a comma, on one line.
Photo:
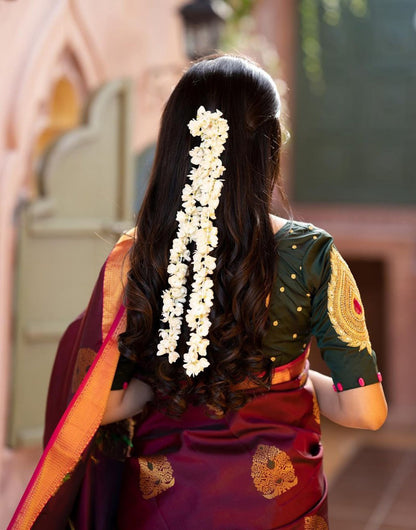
{"points": [[200, 199], [197, 155], [173, 356], [179, 294], [195, 367]]}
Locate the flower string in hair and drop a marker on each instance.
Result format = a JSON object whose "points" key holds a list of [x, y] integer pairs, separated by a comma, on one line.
{"points": [[200, 199]]}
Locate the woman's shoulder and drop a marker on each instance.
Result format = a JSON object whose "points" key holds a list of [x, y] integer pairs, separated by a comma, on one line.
{"points": [[293, 231], [127, 238], [304, 249], [278, 223], [122, 247], [117, 263]]}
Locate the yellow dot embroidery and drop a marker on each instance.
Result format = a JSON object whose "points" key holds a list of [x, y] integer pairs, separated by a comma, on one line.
{"points": [[282, 289], [314, 237], [272, 359], [308, 295], [295, 335], [310, 227], [293, 276], [345, 307], [300, 268], [294, 247], [275, 323], [291, 231], [299, 309]]}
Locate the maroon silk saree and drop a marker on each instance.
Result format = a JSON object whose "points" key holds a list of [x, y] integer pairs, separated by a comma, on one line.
{"points": [[257, 468]]}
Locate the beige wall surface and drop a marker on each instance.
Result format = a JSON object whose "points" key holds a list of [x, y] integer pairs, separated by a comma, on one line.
{"points": [[88, 42]]}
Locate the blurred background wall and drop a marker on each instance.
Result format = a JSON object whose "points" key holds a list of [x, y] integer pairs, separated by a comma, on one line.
{"points": [[82, 87]]}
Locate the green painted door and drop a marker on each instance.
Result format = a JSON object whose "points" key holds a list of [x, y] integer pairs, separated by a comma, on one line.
{"points": [[86, 183]]}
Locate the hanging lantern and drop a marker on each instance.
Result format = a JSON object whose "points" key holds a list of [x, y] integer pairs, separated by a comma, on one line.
{"points": [[204, 21]]}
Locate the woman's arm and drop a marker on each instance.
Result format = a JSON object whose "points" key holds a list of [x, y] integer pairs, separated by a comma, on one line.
{"points": [[363, 407], [128, 402]]}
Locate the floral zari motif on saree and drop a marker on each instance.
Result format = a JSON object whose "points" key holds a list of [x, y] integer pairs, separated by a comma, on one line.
{"points": [[272, 471], [315, 522], [85, 359], [316, 411], [345, 307], [156, 475]]}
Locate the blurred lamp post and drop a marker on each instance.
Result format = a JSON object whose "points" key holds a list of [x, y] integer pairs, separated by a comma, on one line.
{"points": [[204, 21]]}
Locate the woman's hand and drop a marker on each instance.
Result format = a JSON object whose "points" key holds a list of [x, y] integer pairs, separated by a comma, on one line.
{"points": [[128, 402], [363, 407]]}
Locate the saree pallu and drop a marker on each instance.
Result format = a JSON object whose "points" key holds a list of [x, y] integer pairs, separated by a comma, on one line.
{"points": [[77, 477], [259, 468]]}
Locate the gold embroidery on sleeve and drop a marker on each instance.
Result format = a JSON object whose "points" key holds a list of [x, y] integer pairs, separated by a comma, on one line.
{"points": [[345, 307], [315, 522], [156, 475], [272, 471]]}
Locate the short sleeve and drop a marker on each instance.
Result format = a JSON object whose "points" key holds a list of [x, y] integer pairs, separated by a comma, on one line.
{"points": [[338, 317], [125, 370]]}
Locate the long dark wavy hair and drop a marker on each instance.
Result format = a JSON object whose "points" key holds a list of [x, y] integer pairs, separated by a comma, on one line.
{"points": [[246, 254]]}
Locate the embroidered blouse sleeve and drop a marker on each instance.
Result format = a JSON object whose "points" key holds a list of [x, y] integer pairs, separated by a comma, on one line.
{"points": [[337, 316]]}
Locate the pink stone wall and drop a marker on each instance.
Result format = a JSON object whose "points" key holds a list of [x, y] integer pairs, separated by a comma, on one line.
{"points": [[89, 42]]}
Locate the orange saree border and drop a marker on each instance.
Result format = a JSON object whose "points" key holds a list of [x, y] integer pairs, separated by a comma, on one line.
{"points": [[85, 411], [115, 279], [284, 373]]}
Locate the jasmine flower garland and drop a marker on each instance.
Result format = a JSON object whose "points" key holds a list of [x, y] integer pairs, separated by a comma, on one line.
{"points": [[200, 199]]}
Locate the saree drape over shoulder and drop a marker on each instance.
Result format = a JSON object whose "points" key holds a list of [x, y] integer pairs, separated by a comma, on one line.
{"points": [[257, 468]]}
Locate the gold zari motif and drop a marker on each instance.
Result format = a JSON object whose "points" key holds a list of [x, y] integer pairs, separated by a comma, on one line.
{"points": [[272, 471], [156, 475], [316, 412], [85, 358], [315, 522], [345, 307]]}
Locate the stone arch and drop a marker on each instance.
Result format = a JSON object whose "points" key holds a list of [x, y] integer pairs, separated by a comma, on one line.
{"points": [[70, 53]]}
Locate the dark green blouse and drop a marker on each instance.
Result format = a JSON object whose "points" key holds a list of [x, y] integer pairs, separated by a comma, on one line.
{"points": [[314, 294]]}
